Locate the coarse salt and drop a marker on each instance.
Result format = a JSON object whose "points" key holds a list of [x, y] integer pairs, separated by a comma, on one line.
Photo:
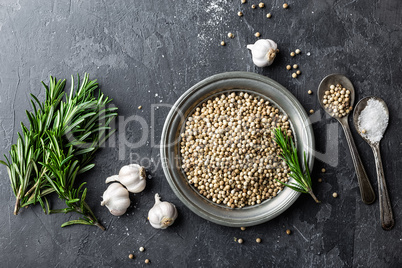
{"points": [[373, 119]]}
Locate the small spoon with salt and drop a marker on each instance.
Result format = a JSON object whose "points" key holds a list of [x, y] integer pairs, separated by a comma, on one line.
{"points": [[366, 191], [370, 118]]}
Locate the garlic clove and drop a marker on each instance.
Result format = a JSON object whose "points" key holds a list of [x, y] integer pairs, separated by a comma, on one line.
{"points": [[132, 176], [263, 52], [162, 214], [116, 199]]}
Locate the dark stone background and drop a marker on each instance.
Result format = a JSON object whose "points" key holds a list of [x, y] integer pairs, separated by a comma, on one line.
{"points": [[148, 53]]}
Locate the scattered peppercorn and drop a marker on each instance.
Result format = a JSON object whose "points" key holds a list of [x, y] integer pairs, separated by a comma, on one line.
{"points": [[223, 43], [323, 170], [288, 231], [242, 228], [257, 34], [288, 67], [131, 256], [335, 195], [311, 111], [240, 241], [243, 1], [240, 14], [261, 5], [147, 261], [142, 249], [310, 92], [292, 54], [258, 240], [230, 35], [285, 5], [298, 72], [363, 131], [295, 66], [297, 51], [319, 180], [253, 6], [294, 75], [269, 15]]}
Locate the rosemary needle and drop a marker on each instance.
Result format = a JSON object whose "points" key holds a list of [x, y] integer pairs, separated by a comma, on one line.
{"points": [[289, 155]]}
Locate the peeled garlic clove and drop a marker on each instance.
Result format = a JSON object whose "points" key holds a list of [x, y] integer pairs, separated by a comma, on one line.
{"points": [[162, 214], [263, 52], [132, 176], [116, 199]]}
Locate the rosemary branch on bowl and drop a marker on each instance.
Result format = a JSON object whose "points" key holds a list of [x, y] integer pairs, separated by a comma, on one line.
{"points": [[65, 132], [289, 154]]}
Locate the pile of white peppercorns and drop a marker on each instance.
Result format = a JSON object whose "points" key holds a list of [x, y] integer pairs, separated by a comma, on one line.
{"points": [[228, 153], [336, 100]]}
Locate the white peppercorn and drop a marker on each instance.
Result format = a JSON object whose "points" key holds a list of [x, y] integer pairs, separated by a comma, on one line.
{"points": [[227, 150], [336, 101]]}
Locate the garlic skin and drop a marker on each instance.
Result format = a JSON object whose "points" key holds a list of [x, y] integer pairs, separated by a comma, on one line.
{"points": [[116, 199], [162, 214], [132, 176], [263, 52]]}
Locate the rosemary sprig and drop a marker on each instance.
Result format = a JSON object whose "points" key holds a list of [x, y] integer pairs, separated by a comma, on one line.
{"points": [[63, 170], [289, 155], [60, 143]]}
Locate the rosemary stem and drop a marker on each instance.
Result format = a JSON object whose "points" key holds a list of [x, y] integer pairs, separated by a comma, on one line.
{"points": [[32, 188], [95, 221], [17, 205], [313, 195], [17, 201], [37, 182]]}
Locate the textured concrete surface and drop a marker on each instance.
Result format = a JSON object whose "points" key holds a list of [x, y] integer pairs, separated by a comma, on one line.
{"points": [[148, 53]]}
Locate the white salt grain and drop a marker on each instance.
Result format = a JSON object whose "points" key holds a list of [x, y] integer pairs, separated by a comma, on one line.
{"points": [[374, 120]]}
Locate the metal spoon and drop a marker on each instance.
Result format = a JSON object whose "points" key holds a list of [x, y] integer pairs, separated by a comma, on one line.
{"points": [[387, 218], [366, 191]]}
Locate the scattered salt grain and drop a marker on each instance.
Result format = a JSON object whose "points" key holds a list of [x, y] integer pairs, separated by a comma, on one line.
{"points": [[374, 120]]}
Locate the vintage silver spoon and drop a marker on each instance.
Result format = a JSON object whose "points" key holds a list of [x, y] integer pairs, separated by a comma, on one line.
{"points": [[387, 218], [366, 191]]}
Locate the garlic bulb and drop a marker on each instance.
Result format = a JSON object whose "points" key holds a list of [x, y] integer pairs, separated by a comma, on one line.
{"points": [[263, 52], [116, 199], [132, 177], [162, 214]]}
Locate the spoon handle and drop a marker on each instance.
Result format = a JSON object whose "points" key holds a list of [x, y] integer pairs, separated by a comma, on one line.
{"points": [[387, 218], [366, 191]]}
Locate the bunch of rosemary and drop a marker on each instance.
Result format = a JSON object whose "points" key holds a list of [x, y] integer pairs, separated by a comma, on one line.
{"points": [[289, 155], [65, 131]]}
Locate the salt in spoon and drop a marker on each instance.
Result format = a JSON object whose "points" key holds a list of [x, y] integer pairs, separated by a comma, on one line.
{"points": [[387, 218], [366, 191]]}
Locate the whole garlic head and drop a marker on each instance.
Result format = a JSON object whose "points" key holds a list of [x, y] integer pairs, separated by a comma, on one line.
{"points": [[116, 199], [263, 52], [132, 176], [162, 214]]}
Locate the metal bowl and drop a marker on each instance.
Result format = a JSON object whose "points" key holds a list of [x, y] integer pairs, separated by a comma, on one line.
{"points": [[184, 106]]}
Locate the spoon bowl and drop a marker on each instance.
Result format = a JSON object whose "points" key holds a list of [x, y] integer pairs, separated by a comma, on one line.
{"points": [[358, 110], [334, 79], [366, 191], [386, 215]]}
